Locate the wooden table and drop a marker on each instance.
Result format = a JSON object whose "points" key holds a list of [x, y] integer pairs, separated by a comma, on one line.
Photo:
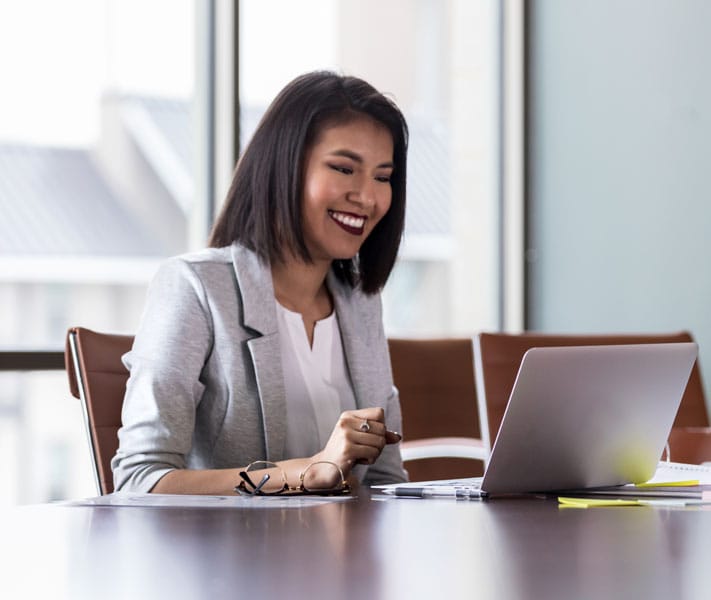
{"points": [[366, 548]]}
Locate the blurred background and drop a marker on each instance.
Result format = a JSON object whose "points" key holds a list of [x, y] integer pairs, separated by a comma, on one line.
{"points": [[557, 177]]}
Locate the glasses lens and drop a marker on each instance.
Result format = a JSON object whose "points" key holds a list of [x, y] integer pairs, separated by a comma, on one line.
{"points": [[322, 477], [266, 477]]}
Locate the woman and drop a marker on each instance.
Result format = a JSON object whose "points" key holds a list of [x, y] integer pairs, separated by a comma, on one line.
{"points": [[269, 346]]}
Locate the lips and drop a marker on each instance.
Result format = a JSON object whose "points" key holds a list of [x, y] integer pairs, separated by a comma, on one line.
{"points": [[353, 224]]}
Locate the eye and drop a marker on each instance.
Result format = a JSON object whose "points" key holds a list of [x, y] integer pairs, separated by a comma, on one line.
{"points": [[383, 178], [342, 169]]}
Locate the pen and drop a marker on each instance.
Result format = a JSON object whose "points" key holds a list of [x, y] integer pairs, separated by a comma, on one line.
{"points": [[435, 492]]}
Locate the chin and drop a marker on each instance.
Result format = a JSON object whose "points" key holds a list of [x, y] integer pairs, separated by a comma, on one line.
{"points": [[343, 257], [343, 253], [347, 255]]}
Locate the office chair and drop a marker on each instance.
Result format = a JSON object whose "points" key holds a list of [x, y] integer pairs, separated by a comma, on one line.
{"points": [[98, 378], [498, 357], [435, 378]]}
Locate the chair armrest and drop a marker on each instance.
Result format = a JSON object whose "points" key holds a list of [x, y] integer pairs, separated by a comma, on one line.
{"points": [[690, 444], [438, 447]]}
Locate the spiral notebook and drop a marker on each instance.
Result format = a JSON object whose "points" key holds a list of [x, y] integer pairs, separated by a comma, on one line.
{"points": [[671, 480]]}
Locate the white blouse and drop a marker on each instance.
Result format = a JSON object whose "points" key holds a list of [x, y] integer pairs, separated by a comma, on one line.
{"points": [[318, 386]]}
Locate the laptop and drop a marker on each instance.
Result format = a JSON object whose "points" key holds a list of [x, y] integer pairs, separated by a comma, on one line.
{"points": [[582, 417]]}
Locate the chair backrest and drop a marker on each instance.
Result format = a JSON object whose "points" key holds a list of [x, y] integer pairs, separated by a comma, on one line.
{"points": [[435, 378], [498, 357], [98, 378]]}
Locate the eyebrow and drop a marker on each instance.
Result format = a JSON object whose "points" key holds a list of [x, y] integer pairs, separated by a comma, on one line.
{"points": [[359, 159]]}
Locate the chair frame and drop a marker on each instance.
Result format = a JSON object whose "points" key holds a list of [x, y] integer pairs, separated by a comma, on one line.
{"points": [[443, 447], [74, 350], [92, 361]]}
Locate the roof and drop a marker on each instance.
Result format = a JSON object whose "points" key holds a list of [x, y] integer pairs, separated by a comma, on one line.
{"points": [[428, 189], [173, 120], [55, 201]]}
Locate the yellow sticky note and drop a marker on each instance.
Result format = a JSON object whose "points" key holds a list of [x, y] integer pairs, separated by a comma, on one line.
{"points": [[594, 502], [689, 482]]}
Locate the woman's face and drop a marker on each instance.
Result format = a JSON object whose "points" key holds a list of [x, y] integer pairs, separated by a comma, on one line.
{"points": [[346, 187]]}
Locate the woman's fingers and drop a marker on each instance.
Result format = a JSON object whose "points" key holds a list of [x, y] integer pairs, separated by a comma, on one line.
{"points": [[360, 436], [392, 437], [367, 420], [373, 413], [368, 426], [374, 426]]}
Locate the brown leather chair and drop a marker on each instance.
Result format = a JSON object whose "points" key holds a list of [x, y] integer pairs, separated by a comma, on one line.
{"points": [[98, 378], [435, 378], [498, 356]]}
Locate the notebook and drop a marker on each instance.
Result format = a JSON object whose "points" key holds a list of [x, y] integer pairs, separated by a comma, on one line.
{"points": [[582, 417]]}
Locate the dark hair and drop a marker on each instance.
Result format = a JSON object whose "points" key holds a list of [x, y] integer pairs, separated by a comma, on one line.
{"points": [[262, 210]]}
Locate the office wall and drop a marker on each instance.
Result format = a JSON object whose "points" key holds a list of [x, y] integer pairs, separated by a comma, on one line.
{"points": [[619, 221]]}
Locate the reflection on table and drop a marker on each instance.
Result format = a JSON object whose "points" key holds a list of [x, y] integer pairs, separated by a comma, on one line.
{"points": [[371, 547]]}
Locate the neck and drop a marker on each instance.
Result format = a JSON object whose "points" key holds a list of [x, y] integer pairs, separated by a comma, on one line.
{"points": [[300, 286]]}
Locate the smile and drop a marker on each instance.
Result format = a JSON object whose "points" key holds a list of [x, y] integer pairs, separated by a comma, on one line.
{"points": [[353, 224]]}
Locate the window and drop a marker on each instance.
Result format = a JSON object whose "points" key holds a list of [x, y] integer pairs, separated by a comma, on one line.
{"points": [[97, 185], [103, 140], [439, 61]]}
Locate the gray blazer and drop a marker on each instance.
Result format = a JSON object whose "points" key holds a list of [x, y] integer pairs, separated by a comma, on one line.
{"points": [[206, 389]]}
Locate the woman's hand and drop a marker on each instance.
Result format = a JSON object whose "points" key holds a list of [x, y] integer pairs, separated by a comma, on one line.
{"points": [[358, 437]]}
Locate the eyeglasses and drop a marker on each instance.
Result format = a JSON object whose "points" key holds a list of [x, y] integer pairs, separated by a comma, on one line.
{"points": [[315, 472]]}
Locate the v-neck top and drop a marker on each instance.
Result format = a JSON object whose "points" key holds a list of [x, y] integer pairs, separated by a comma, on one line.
{"points": [[316, 379]]}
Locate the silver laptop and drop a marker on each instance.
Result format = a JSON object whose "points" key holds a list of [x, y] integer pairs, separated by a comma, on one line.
{"points": [[588, 416]]}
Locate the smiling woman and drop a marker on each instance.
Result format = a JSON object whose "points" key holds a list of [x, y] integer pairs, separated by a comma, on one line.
{"points": [[269, 346], [347, 188], [263, 210]]}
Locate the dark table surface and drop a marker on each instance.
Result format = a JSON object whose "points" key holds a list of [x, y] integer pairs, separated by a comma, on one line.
{"points": [[366, 548]]}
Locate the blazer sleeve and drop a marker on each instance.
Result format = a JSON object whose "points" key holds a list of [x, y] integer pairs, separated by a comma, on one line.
{"points": [[164, 388], [388, 468]]}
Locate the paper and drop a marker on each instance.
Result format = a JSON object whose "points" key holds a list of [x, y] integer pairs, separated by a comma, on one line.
{"points": [[670, 472], [196, 501], [670, 480], [472, 482]]}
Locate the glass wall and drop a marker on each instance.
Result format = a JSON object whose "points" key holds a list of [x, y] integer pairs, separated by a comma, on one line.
{"points": [[618, 210], [100, 163], [97, 131], [439, 61]]}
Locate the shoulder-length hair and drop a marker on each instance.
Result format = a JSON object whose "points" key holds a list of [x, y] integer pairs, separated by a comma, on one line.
{"points": [[262, 210]]}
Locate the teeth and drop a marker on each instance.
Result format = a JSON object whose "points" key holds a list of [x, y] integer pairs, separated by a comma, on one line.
{"points": [[356, 222]]}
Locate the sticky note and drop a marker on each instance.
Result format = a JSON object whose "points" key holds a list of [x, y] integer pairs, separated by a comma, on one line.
{"points": [[593, 502], [690, 482]]}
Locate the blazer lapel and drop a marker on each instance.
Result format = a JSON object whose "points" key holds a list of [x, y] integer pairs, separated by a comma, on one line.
{"points": [[257, 294], [352, 323]]}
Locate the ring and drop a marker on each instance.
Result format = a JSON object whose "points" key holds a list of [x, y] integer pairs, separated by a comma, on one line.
{"points": [[365, 426]]}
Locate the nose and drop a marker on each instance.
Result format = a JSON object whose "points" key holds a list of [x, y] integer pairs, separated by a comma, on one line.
{"points": [[363, 194]]}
